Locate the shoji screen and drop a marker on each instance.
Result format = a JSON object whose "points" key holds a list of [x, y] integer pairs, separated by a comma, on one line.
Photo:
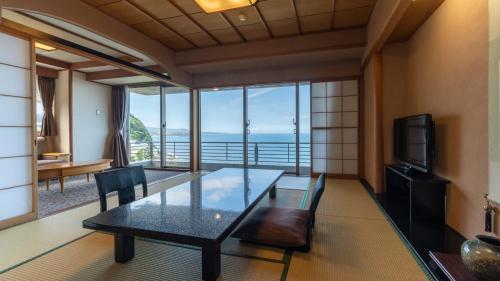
{"points": [[16, 135], [334, 121]]}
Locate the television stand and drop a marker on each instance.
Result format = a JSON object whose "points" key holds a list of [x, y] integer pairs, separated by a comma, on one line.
{"points": [[419, 195]]}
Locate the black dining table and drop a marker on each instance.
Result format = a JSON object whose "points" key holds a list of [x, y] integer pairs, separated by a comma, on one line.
{"points": [[202, 212]]}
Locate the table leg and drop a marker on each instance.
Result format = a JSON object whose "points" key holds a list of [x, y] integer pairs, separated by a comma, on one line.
{"points": [[47, 183], [272, 192], [210, 262], [88, 177], [61, 181], [124, 248]]}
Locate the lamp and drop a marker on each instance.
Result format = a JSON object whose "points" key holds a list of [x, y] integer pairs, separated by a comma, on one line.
{"points": [[44, 47], [212, 6]]}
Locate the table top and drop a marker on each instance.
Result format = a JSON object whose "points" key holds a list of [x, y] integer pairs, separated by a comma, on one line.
{"points": [[66, 165], [452, 266], [204, 210]]}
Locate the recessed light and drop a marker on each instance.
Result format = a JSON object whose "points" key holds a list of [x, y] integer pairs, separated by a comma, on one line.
{"points": [[242, 16]]}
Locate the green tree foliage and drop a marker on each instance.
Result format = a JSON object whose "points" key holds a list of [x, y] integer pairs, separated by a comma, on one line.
{"points": [[138, 131]]}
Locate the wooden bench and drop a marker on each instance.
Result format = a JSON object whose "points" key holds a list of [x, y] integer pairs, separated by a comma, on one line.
{"points": [[62, 170]]}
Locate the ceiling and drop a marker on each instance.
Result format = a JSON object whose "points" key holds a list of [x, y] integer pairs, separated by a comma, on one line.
{"points": [[276, 33], [182, 25]]}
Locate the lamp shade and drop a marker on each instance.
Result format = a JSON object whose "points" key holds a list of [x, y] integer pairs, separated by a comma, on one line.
{"points": [[212, 6]]}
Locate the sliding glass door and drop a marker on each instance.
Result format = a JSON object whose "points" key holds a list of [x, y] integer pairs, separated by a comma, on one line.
{"points": [[221, 128], [144, 125], [257, 127], [177, 134], [304, 113], [158, 127], [271, 127]]}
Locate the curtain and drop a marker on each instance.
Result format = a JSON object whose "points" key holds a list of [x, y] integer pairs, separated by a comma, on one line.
{"points": [[47, 92], [119, 106]]}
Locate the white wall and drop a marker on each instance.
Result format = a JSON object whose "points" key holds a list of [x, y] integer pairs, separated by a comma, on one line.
{"points": [[62, 112], [16, 135], [90, 131]]}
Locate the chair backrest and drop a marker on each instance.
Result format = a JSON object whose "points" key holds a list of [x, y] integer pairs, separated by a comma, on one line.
{"points": [[122, 180], [319, 188], [139, 177]]}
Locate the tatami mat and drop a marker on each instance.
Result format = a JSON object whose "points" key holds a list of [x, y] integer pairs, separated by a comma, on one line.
{"points": [[31, 239], [92, 258], [348, 198], [352, 240]]}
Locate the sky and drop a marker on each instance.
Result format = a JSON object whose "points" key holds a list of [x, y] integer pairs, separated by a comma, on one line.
{"points": [[270, 110]]}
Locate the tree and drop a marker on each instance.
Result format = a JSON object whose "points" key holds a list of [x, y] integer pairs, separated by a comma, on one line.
{"points": [[138, 131]]}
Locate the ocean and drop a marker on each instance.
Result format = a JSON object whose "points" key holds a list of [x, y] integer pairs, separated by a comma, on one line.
{"points": [[223, 137]]}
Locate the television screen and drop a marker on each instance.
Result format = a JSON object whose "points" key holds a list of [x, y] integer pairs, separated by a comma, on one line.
{"points": [[414, 141]]}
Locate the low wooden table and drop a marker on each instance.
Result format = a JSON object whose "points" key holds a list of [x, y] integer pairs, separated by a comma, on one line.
{"points": [[62, 170]]}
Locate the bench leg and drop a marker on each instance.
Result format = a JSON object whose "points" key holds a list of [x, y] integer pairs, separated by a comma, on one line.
{"points": [[47, 184], [61, 181], [210, 262], [124, 248], [88, 177]]}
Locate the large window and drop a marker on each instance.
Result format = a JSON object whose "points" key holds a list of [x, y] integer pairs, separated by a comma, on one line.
{"points": [[221, 128], [145, 124], [39, 110], [257, 127], [305, 128], [272, 127], [177, 128]]}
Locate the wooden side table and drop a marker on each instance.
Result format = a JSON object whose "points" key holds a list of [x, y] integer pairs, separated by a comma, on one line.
{"points": [[452, 266]]}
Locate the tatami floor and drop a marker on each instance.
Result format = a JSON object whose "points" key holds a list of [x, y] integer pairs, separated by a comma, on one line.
{"points": [[352, 241]]}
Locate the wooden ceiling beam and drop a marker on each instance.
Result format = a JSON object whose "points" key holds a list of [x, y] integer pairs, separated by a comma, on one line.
{"points": [[332, 40], [76, 34], [294, 7], [184, 13], [117, 73], [53, 62], [155, 19], [11, 26], [47, 72], [332, 24], [263, 21], [224, 18], [90, 63]]}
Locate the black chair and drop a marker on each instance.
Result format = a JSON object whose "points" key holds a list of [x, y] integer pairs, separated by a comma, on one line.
{"points": [[122, 180], [286, 228]]}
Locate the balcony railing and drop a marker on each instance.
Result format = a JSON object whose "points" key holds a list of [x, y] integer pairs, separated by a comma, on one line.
{"points": [[259, 153]]}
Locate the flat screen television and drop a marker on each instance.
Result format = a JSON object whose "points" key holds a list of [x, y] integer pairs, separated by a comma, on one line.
{"points": [[414, 142]]}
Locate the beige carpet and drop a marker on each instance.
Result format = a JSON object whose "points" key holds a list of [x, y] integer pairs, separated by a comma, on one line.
{"points": [[353, 241]]}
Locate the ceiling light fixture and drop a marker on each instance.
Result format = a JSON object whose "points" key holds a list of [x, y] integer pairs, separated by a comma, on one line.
{"points": [[212, 6], [44, 47], [242, 16]]}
